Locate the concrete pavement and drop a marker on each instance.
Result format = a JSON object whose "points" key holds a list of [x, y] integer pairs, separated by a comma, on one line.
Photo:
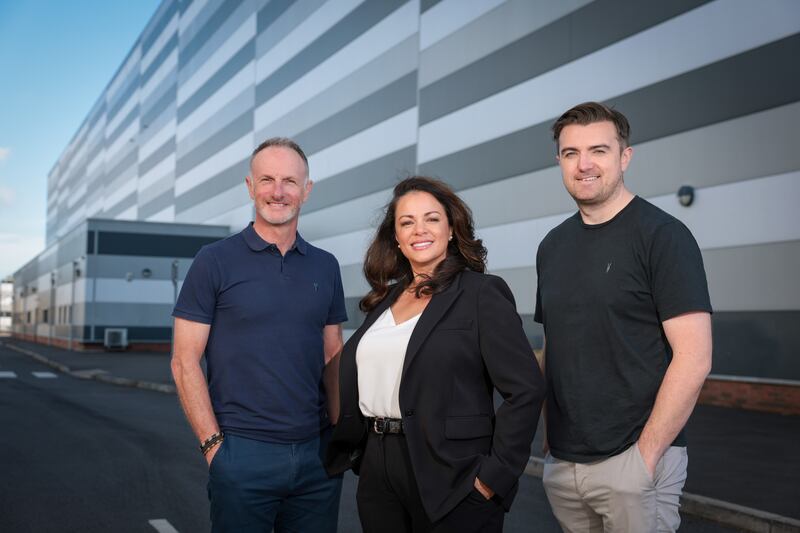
{"points": [[743, 467]]}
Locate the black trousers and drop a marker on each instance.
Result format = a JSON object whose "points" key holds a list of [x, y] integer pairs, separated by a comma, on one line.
{"points": [[389, 501]]}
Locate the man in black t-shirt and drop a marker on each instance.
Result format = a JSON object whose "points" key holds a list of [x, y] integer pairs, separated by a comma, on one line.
{"points": [[623, 299]]}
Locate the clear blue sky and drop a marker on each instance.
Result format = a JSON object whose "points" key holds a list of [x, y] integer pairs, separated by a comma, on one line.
{"points": [[56, 57]]}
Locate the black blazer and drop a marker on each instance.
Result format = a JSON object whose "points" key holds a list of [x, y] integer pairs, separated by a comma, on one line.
{"points": [[468, 341]]}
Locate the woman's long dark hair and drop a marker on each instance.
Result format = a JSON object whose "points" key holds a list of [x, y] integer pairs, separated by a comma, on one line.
{"points": [[385, 263]]}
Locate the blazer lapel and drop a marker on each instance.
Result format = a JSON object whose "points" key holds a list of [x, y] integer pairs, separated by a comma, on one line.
{"points": [[431, 316]]}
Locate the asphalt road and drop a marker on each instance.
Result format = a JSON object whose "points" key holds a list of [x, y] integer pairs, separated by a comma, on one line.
{"points": [[78, 455]]}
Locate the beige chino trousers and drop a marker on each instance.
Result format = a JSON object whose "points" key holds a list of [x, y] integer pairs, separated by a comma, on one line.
{"points": [[617, 494]]}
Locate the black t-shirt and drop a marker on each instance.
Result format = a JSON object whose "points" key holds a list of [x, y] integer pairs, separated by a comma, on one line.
{"points": [[603, 292]]}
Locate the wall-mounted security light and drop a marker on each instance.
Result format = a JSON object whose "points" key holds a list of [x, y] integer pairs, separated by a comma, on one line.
{"points": [[686, 195], [146, 273], [128, 276]]}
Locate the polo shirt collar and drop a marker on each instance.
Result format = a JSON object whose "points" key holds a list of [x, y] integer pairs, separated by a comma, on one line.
{"points": [[257, 244]]}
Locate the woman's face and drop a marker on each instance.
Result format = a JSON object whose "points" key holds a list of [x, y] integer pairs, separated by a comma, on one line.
{"points": [[421, 230]]}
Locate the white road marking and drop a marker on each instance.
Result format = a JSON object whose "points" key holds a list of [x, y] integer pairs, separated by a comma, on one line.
{"points": [[7, 374], [162, 525], [44, 375]]}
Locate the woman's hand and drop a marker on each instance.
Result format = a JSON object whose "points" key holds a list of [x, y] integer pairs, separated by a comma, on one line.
{"points": [[485, 491]]}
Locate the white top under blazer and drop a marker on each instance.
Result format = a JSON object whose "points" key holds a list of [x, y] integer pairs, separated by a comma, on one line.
{"points": [[379, 358]]}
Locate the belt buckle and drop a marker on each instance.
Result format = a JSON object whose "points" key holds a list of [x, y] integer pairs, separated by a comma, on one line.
{"points": [[382, 426]]}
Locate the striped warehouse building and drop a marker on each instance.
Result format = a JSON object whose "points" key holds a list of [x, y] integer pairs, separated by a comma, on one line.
{"points": [[464, 90]]}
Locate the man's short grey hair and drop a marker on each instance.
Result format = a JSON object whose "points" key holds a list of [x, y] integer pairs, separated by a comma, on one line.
{"points": [[281, 142]]}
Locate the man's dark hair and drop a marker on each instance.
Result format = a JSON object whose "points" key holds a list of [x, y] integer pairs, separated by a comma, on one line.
{"points": [[385, 262], [281, 142], [589, 113]]}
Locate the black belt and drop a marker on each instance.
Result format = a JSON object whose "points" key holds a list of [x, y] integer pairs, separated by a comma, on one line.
{"points": [[381, 425]]}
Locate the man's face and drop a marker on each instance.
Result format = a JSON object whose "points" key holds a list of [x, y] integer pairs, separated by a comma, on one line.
{"points": [[592, 162], [278, 184]]}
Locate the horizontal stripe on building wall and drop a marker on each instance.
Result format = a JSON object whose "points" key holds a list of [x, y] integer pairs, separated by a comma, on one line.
{"points": [[135, 333], [128, 161], [355, 285], [375, 108], [125, 142], [157, 204], [227, 178], [162, 152], [158, 23], [237, 87], [234, 65], [744, 148], [227, 134], [124, 125], [556, 91], [212, 207], [389, 136], [757, 344], [165, 215], [236, 218], [272, 32], [116, 105], [121, 206], [169, 48], [346, 30], [563, 41], [448, 16], [119, 243], [392, 65], [229, 157], [512, 20], [376, 175], [215, 117], [156, 134], [731, 215], [734, 87], [382, 37], [163, 78], [427, 4], [270, 13], [345, 217], [160, 178], [318, 19], [204, 35]]}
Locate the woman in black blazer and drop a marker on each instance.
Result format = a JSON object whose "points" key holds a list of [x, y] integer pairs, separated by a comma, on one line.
{"points": [[417, 421]]}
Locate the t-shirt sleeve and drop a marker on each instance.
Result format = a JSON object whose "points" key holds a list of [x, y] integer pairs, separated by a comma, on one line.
{"points": [[677, 272], [198, 296], [337, 312]]}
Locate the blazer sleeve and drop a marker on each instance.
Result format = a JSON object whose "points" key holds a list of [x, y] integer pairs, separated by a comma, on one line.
{"points": [[515, 374]]}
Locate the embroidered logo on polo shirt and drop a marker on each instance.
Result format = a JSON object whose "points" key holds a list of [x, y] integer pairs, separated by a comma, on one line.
{"points": [[608, 266], [316, 286]]}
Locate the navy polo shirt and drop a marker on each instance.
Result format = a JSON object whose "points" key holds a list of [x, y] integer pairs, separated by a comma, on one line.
{"points": [[264, 353]]}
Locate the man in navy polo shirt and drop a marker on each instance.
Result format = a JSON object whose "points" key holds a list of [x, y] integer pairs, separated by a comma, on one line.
{"points": [[265, 307]]}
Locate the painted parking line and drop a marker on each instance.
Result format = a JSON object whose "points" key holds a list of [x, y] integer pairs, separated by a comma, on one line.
{"points": [[44, 375], [7, 374], [162, 525]]}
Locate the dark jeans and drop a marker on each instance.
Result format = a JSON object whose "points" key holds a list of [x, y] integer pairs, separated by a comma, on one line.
{"points": [[259, 486], [389, 501]]}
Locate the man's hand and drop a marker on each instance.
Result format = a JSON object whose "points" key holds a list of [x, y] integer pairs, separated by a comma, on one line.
{"points": [[651, 457], [485, 491], [212, 452]]}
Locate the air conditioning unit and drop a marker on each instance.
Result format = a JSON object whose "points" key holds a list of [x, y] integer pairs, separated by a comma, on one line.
{"points": [[115, 338]]}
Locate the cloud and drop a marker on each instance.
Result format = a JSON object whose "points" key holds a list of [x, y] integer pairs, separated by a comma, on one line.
{"points": [[6, 196], [4, 153]]}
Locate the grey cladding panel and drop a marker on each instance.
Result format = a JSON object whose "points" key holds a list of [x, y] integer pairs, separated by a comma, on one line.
{"points": [[740, 85], [214, 22], [389, 101], [134, 113], [270, 12], [220, 78], [153, 33], [119, 243], [156, 157], [223, 181], [163, 103], [425, 5], [159, 59], [157, 204], [373, 176], [350, 27], [557, 43], [234, 130]]}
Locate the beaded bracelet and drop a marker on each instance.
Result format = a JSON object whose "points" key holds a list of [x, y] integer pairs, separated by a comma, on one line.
{"points": [[211, 441]]}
